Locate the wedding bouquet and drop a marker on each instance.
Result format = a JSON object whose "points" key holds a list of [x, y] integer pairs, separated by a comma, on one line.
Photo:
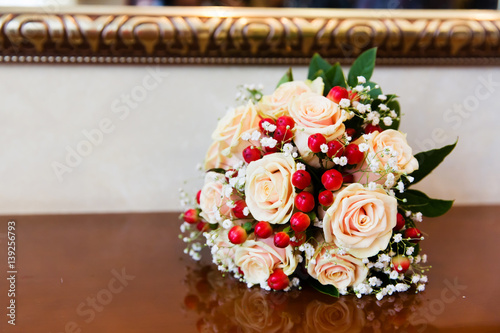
{"points": [[311, 184]]}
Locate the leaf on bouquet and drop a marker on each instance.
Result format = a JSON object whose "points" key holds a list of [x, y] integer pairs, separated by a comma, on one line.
{"points": [[429, 160], [217, 170], [419, 202], [286, 78], [317, 67], [362, 66], [334, 77], [328, 290]]}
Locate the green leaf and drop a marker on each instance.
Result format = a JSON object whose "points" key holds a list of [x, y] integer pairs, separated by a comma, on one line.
{"points": [[334, 77], [286, 78], [362, 66], [328, 290], [419, 202], [429, 160], [317, 64], [218, 170]]}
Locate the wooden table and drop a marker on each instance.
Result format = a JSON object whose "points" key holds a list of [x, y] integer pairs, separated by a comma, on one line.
{"points": [[127, 273]]}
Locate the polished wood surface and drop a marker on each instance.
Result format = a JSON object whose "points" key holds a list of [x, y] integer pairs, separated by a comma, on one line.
{"points": [[127, 273]]}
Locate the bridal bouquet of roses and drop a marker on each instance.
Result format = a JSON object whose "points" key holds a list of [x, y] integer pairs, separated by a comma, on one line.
{"points": [[312, 184]]}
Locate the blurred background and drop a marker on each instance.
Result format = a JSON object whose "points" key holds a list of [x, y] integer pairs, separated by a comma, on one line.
{"points": [[391, 4]]}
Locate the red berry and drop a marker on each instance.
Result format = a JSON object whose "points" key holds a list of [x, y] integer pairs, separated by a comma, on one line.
{"points": [[325, 198], [285, 121], [400, 264], [251, 154], [400, 222], [281, 239], [354, 156], [348, 178], [278, 280], [301, 179], [269, 150], [237, 235], [202, 226], [300, 222], [372, 128], [283, 134], [413, 234], [315, 141], [263, 229], [353, 96], [238, 208], [198, 195], [335, 149], [191, 216], [337, 93], [350, 132], [268, 120], [191, 302], [300, 238], [304, 201], [332, 180]]}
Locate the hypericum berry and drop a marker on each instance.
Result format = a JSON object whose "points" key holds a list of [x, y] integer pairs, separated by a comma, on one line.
{"points": [[300, 222], [348, 178], [304, 201], [269, 150], [239, 207], [332, 180], [283, 134], [202, 226], [285, 121], [413, 234], [268, 120], [237, 235], [401, 264], [191, 301], [335, 149], [325, 198], [300, 238], [353, 96], [315, 141], [301, 179], [263, 229], [198, 195], [354, 156], [251, 154], [281, 239], [278, 280], [191, 216], [350, 132], [372, 128], [400, 222], [337, 93]]}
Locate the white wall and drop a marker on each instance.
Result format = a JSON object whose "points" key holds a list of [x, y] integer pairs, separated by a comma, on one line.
{"points": [[147, 153]]}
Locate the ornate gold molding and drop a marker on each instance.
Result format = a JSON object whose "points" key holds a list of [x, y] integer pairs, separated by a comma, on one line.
{"points": [[229, 35]]}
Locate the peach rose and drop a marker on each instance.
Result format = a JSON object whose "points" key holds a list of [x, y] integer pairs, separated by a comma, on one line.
{"points": [[213, 203], [340, 271], [343, 315], [230, 128], [314, 113], [276, 105], [360, 220], [269, 191], [400, 162], [215, 159], [258, 259]]}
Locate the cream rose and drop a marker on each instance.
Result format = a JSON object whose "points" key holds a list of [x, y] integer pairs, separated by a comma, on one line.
{"points": [[258, 259], [215, 159], [360, 220], [343, 315], [230, 128], [388, 151], [314, 113], [269, 191], [276, 104], [340, 271], [213, 203]]}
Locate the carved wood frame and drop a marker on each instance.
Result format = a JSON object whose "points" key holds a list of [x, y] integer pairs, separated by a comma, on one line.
{"points": [[221, 35]]}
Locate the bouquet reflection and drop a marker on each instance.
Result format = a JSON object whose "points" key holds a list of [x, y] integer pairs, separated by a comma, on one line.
{"points": [[223, 304]]}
